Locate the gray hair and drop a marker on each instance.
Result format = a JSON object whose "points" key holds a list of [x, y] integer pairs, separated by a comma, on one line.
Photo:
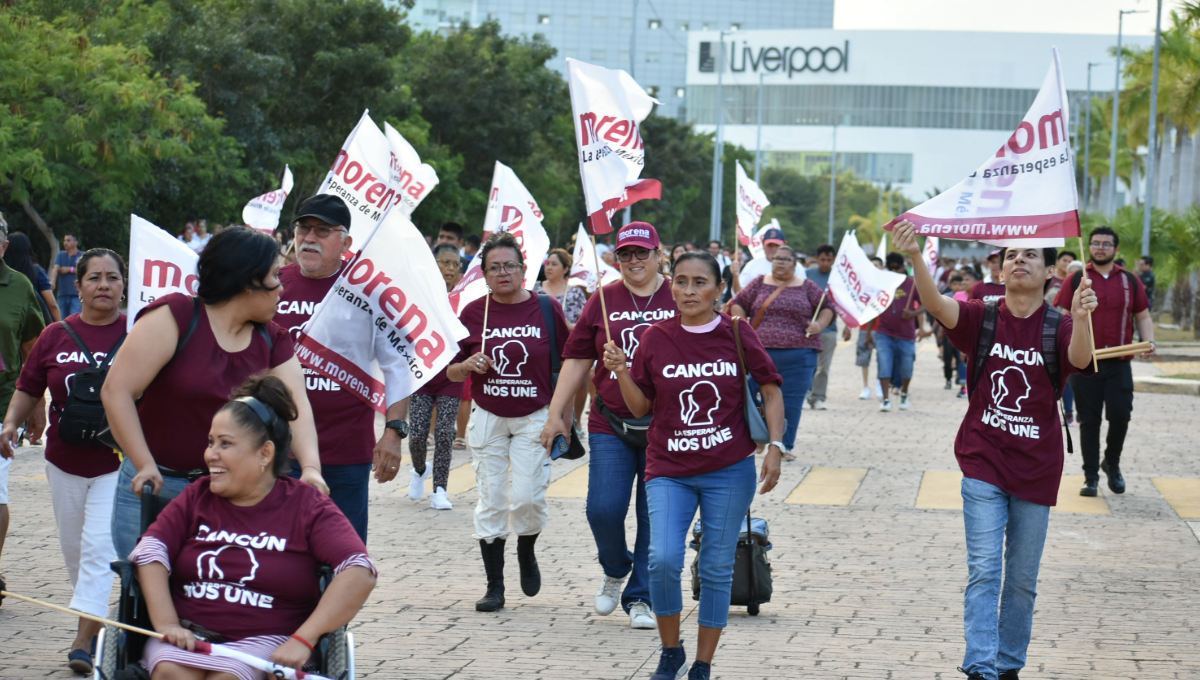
{"points": [[3, 229]]}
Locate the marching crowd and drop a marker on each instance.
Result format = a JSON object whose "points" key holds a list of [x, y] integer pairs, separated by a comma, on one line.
{"points": [[688, 365]]}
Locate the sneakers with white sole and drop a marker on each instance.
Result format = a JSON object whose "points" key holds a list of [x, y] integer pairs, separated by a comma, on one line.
{"points": [[609, 595], [904, 401], [820, 405], [438, 500], [886, 405], [641, 618], [866, 393], [878, 390], [416, 488]]}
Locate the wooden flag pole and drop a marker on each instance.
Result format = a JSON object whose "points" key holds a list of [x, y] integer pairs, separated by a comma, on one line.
{"points": [[97, 619], [600, 289], [817, 311], [1091, 334], [487, 302]]}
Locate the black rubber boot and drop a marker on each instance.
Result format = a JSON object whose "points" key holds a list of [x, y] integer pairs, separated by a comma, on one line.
{"points": [[531, 577], [493, 565]]}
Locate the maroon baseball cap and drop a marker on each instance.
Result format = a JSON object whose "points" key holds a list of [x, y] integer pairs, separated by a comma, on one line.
{"points": [[637, 234], [994, 253]]}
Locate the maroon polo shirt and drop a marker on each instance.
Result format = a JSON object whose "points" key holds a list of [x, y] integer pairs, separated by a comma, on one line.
{"points": [[1120, 296]]}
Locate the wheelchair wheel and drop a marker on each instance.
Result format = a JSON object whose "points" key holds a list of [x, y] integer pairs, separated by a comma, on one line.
{"points": [[109, 642], [337, 661]]}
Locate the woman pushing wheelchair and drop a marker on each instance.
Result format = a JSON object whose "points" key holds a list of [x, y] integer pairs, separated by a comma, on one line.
{"points": [[234, 558]]}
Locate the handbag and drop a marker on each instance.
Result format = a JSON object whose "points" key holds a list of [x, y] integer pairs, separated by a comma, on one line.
{"points": [[763, 310], [754, 416], [633, 431], [575, 450]]}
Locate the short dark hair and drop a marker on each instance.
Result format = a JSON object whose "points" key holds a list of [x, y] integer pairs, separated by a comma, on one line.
{"points": [[957, 278], [274, 394], [703, 256], [81, 267], [473, 240], [500, 239], [72, 235], [826, 249], [234, 261], [1066, 252], [452, 228], [875, 258], [716, 242], [443, 247], [1106, 231], [1048, 255], [894, 259], [1148, 260]]}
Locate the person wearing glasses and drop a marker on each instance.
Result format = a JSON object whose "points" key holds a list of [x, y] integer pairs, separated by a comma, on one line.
{"points": [[1108, 393], [345, 423], [782, 308], [507, 355]]}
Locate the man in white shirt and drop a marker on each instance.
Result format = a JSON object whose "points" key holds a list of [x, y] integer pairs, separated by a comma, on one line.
{"points": [[759, 266]]}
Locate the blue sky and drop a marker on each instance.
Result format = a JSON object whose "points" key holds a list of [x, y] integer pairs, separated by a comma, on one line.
{"points": [[1051, 16]]}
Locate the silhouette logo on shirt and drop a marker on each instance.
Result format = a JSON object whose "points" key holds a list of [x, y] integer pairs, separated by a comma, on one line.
{"points": [[630, 341], [1009, 388], [228, 564], [698, 403], [509, 358]]}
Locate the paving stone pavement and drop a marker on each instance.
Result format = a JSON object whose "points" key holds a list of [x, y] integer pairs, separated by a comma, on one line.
{"points": [[872, 589]]}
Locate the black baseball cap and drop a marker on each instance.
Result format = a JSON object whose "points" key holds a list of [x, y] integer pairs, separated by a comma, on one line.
{"points": [[328, 208], [774, 236]]}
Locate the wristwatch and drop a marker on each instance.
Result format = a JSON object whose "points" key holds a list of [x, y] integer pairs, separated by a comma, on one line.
{"points": [[399, 426], [780, 445]]}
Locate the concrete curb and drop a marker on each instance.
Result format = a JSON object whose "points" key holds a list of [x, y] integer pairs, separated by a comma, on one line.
{"points": [[1159, 385]]}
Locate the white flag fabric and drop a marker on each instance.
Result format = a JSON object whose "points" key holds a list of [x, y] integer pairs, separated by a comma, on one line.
{"points": [[412, 179], [159, 264], [930, 253], [859, 291], [750, 204], [882, 254], [583, 265], [1025, 194], [362, 176], [756, 241], [386, 317], [513, 209], [262, 212], [608, 106]]}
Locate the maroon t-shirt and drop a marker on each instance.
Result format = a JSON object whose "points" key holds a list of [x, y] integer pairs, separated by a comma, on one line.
{"points": [[892, 321], [1011, 436], [53, 363], [345, 424], [695, 382], [248, 571], [628, 318], [988, 292], [1119, 299], [441, 385], [518, 342], [177, 409]]}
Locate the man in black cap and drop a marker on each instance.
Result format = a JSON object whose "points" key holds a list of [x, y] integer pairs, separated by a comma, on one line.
{"points": [[759, 266], [345, 423]]}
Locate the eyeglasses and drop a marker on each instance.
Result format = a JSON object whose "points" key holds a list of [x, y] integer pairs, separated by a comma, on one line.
{"points": [[302, 230], [507, 268], [1103, 245], [783, 260], [628, 255]]}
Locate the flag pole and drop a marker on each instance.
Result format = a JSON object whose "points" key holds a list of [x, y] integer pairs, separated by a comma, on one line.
{"points": [[1091, 334], [817, 311], [600, 289], [97, 619], [483, 333]]}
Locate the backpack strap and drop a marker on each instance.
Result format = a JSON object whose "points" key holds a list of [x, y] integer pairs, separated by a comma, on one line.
{"points": [[548, 318], [261, 329], [183, 339], [87, 353], [112, 353], [1050, 324], [987, 337]]}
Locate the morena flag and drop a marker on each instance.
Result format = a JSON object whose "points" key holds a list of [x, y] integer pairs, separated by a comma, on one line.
{"points": [[860, 292], [262, 212], [751, 201], [1024, 194], [608, 107], [583, 265], [159, 264]]}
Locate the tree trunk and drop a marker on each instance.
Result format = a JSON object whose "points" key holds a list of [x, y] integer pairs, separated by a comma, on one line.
{"points": [[1187, 164], [1176, 158], [1162, 181], [1135, 182], [44, 228]]}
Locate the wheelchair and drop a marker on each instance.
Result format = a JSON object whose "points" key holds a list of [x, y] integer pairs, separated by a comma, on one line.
{"points": [[119, 651]]}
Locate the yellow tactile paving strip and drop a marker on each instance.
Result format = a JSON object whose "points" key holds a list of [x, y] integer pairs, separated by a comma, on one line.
{"points": [[574, 484], [827, 486], [940, 490], [1069, 499], [1182, 494]]}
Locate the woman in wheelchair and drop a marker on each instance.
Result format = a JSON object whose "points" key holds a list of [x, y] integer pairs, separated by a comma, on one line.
{"points": [[234, 558]]}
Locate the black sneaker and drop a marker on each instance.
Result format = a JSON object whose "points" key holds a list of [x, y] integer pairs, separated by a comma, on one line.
{"points": [[672, 664], [1010, 674], [1089, 487], [1115, 481], [972, 676]]}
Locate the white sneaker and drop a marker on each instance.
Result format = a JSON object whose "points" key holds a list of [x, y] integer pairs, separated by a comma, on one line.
{"points": [[820, 405], [886, 405], [438, 500], [904, 401], [866, 393], [416, 488], [878, 390], [641, 618], [609, 595]]}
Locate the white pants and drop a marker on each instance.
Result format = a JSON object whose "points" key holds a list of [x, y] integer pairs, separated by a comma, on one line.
{"points": [[83, 511], [496, 444], [5, 464]]}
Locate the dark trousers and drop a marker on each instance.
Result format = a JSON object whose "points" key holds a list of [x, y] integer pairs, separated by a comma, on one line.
{"points": [[1110, 393]]}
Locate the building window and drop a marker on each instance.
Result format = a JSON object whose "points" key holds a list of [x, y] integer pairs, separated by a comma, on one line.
{"points": [[653, 57], [599, 55], [571, 52], [681, 92], [600, 22], [623, 57], [572, 20], [517, 18], [626, 23], [735, 27], [683, 26], [654, 24], [707, 26], [431, 12], [543, 18], [652, 90]]}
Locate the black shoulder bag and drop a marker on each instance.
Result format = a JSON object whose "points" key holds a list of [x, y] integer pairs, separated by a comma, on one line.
{"points": [[81, 422], [576, 449]]}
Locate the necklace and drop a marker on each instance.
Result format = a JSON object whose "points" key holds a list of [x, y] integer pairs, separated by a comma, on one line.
{"points": [[640, 317]]}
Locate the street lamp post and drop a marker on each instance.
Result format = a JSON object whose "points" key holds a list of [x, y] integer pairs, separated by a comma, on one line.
{"points": [[1112, 151], [714, 227], [758, 144], [1149, 206], [832, 182], [1087, 138]]}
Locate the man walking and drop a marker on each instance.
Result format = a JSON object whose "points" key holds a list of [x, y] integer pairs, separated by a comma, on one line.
{"points": [[991, 288], [820, 276], [64, 276], [895, 336], [452, 233], [1109, 392], [759, 266], [1146, 274]]}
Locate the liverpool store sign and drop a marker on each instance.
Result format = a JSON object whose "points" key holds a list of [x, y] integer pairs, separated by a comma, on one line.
{"points": [[777, 59]]}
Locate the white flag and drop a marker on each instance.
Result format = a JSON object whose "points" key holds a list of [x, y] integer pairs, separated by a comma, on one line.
{"points": [[387, 316], [750, 204], [882, 254], [159, 264], [412, 179], [756, 241], [1025, 194], [583, 265], [262, 212], [510, 208], [608, 106], [930, 253], [860, 292], [362, 176]]}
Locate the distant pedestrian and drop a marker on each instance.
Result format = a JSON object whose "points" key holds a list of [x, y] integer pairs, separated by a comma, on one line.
{"points": [[63, 274], [820, 276], [1146, 274], [991, 288], [896, 336]]}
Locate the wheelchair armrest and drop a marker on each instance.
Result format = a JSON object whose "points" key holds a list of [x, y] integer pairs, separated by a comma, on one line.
{"points": [[125, 570]]}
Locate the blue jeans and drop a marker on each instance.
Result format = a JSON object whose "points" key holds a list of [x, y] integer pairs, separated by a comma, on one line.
{"points": [[127, 507], [797, 366], [895, 357], [69, 304], [615, 471], [723, 497], [1005, 538], [348, 486]]}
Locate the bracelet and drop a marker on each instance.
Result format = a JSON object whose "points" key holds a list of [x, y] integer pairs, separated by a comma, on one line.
{"points": [[306, 643]]}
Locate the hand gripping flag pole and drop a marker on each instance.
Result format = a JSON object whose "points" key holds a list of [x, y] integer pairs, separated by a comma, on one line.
{"points": [[600, 290], [817, 311]]}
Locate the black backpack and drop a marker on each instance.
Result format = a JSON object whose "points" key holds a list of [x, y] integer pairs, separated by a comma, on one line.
{"points": [[81, 420]]}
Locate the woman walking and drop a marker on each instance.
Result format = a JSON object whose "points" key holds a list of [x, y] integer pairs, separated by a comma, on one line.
{"points": [[186, 355], [82, 476], [689, 370], [572, 298], [508, 356], [780, 307]]}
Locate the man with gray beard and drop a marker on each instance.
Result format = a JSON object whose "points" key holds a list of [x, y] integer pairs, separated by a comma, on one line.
{"points": [[345, 423]]}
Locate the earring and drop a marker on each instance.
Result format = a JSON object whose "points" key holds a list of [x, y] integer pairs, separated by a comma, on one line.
{"points": [[263, 468]]}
